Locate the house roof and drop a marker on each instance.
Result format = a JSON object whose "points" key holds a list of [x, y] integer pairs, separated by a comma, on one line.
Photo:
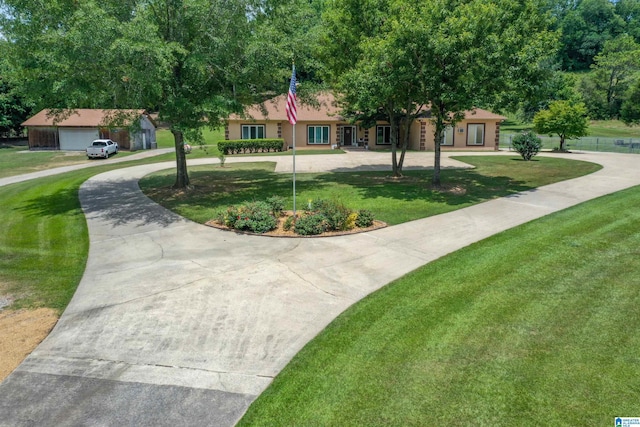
{"points": [[326, 112], [83, 117], [274, 109]]}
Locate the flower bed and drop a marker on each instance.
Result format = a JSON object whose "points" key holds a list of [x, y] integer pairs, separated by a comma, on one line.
{"points": [[321, 218]]}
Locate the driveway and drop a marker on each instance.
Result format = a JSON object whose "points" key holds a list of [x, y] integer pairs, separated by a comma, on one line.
{"points": [[175, 323]]}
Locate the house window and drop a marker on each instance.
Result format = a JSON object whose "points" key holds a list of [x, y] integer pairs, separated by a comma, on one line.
{"points": [[447, 138], [475, 134], [383, 135], [318, 135], [253, 132]]}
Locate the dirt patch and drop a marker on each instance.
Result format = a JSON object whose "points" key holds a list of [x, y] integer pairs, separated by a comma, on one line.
{"points": [[281, 232], [20, 332]]}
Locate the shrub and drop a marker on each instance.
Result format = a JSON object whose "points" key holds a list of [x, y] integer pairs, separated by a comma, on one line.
{"points": [[277, 205], [350, 223], [253, 216], [335, 213], [527, 144], [311, 224], [365, 218], [289, 223]]}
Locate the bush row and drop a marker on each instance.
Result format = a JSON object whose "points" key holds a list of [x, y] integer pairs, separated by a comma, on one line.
{"points": [[321, 216], [244, 146]]}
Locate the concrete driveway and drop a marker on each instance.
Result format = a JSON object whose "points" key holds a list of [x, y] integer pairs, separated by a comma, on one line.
{"points": [[175, 323]]}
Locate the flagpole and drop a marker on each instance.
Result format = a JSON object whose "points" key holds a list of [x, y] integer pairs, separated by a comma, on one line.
{"points": [[294, 172], [292, 116]]}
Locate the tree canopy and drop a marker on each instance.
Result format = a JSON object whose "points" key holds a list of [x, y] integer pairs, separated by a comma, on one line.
{"points": [[394, 57], [189, 59], [566, 119]]}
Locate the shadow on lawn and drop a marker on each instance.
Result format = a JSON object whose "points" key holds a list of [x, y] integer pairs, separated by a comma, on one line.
{"points": [[458, 186], [117, 203], [61, 202]]}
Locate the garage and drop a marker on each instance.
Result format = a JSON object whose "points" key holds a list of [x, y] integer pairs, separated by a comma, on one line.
{"points": [[75, 129], [76, 139]]}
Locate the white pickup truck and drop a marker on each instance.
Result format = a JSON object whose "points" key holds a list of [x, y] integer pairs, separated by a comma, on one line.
{"points": [[102, 148]]}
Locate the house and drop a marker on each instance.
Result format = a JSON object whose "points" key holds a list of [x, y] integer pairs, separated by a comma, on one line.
{"points": [[75, 129], [323, 127]]}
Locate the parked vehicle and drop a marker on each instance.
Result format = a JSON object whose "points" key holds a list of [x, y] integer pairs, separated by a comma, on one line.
{"points": [[102, 148]]}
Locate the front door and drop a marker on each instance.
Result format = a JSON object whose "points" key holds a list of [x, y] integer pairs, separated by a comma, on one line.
{"points": [[347, 138]]}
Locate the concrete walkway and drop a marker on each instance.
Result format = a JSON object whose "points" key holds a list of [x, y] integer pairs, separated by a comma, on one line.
{"points": [[175, 323]]}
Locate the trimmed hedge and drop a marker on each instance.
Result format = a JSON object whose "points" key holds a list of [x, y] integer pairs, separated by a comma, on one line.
{"points": [[244, 146]]}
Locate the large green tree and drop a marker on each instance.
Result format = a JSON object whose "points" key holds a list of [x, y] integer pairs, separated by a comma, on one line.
{"points": [[566, 119], [374, 78], [586, 25], [447, 55], [630, 111], [186, 58], [615, 69], [13, 108]]}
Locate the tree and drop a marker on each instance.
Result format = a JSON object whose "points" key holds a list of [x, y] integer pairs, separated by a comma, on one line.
{"points": [[470, 54], [397, 56], [13, 108], [567, 120], [630, 111], [585, 29], [187, 58], [373, 78], [614, 70], [629, 12]]}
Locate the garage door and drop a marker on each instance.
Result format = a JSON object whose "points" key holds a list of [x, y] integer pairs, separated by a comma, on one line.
{"points": [[76, 139]]}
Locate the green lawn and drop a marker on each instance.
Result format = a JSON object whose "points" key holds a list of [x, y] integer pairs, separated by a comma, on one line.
{"points": [[536, 326], [391, 201], [43, 240], [16, 160], [597, 128]]}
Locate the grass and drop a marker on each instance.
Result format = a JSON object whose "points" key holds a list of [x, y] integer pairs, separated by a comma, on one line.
{"points": [[534, 326], [43, 238], [597, 128], [43, 241], [390, 200], [16, 160]]}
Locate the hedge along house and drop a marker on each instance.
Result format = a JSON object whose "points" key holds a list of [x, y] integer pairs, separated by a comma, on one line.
{"points": [[74, 130], [323, 128]]}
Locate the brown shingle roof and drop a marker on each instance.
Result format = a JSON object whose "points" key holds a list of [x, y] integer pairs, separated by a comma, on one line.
{"points": [[83, 117], [275, 110], [327, 112]]}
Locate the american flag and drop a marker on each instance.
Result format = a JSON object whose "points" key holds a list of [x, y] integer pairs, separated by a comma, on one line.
{"points": [[292, 113]]}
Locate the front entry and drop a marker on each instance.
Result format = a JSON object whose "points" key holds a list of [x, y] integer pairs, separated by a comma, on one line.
{"points": [[348, 135]]}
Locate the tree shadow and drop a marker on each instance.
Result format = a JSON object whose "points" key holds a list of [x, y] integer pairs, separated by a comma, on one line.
{"points": [[122, 203], [459, 186], [62, 202]]}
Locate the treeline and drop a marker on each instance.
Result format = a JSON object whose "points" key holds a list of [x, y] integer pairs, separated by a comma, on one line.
{"points": [[598, 61]]}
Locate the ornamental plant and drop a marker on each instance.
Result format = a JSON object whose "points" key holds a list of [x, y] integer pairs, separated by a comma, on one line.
{"points": [[527, 144]]}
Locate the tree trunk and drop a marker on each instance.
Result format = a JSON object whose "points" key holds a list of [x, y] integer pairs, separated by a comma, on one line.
{"points": [[182, 177], [405, 142], [562, 143], [437, 134], [397, 173]]}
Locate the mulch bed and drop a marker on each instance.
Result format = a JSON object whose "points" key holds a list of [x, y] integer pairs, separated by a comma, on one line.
{"points": [[280, 232]]}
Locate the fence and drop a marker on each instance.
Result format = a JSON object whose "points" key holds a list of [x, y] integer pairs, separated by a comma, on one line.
{"points": [[589, 143]]}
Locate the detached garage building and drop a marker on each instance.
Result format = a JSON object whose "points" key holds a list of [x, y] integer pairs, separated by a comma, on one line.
{"points": [[74, 130]]}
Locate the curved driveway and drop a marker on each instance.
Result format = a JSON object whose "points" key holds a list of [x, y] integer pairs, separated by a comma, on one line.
{"points": [[175, 323]]}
